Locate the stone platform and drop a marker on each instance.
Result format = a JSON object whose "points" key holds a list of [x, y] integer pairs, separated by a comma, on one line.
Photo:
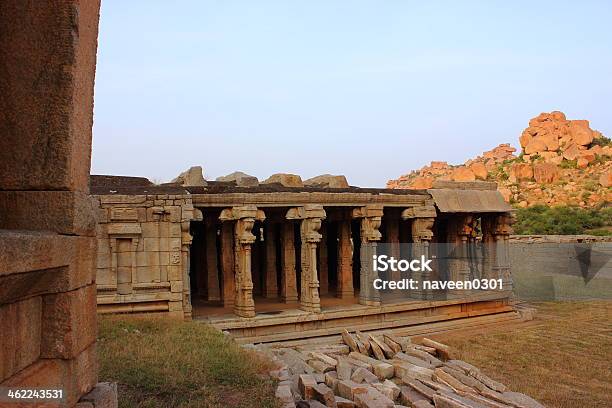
{"points": [[403, 317]]}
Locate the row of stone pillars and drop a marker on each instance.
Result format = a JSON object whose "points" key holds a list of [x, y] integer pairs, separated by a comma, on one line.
{"points": [[237, 225]]}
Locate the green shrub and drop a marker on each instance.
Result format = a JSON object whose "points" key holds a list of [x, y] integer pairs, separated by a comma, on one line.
{"points": [[602, 141], [569, 164], [562, 220]]}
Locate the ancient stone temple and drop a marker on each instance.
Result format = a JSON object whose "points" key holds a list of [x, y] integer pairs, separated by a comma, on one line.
{"points": [[294, 255]]}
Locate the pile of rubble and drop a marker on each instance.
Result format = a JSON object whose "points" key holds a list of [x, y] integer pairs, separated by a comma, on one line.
{"points": [[384, 372]]}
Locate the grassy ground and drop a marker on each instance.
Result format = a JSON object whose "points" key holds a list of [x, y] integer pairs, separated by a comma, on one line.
{"points": [[562, 358], [166, 363]]}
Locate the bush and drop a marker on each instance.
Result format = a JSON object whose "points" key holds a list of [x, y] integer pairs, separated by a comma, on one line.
{"points": [[563, 220]]}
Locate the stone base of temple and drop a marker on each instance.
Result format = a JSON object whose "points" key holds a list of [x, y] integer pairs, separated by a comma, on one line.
{"points": [[413, 317]]}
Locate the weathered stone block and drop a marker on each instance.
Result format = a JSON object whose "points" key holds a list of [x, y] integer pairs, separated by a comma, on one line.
{"points": [[306, 384], [348, 389], [76, 376], [64, 212], [69, 322], [21, 332]]}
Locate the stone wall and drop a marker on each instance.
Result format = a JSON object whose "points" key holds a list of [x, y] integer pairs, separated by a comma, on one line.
{"points": [[47, 223], [561, 267], [143, 253]]}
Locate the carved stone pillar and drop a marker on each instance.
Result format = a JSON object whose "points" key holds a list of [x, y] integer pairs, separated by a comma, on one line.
{"points": [[271, 287], [244, 218], [227, 264], [459, 261], [323, 266], [212, 270], [288, 275], [496, 234], [345, 288], [392, 230], [311, 217], [421, 228], [371, 217], [186, 240]]}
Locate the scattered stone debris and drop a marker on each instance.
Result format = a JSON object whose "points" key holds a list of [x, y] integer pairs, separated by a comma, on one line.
{"points": [[285, 180], [387, 371]]}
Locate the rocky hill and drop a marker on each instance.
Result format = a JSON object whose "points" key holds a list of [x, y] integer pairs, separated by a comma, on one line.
{"points": [[561, 162]]}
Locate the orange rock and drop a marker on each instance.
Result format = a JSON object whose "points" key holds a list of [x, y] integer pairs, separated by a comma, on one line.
{"points": [[535, 146], [422, 183], [439, 165], [521, 171], [545, 172], [588, 155], [463, 174], [479, 170], [558, 116], [582, 163], [551, 140], [506, 193], [606, 179], [571, 153], [581, 133]]}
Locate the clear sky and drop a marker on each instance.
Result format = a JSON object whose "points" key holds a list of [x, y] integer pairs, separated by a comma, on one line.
{"points": [[369, 89]]}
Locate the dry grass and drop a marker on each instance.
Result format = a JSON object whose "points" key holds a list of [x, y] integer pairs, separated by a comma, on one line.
{"points": [[167, 363], [563, 359]]}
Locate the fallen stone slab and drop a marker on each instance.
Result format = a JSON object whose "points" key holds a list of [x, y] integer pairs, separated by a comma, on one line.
{"points": [[348, 389], [283, 393], [465, 379], [324, 358], [331, 380], [393, 345], [344, 369], [445, 378], [306, 385], [344, 403], [192, 177], [433, 361], [315, 404], [389, 389], [372, 399], [388, 352], [419, 387], [442, 349], [349, 341], [406, 369], [445, 401], [409, 396], [414, 360], [361, 374], [489, 382], [325, 395], [422, 404], [320, 366]]}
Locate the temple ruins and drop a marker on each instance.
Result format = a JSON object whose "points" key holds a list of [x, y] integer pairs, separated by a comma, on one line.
{"points": [[280, 256]]}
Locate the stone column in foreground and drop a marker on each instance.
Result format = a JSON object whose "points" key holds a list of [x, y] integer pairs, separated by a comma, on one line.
{"points": [[422, 222], [288, 275], [371, 217], [244, 218], [271, 287], [392, 228], [345, 288], [311, 217]]}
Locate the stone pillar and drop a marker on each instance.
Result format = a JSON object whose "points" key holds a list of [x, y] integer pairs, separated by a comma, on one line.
{"points": [[244, 218], [421, 229], [323, 264], [345, 288], [371, 217], [288, 275], [311, 217], [212, 271], [496, 234], [271, 287], [459, 261], [186, 240], [227, 263], [392, 229]]}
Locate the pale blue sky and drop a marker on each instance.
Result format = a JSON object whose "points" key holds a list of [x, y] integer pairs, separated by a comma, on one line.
{"points": [[369, 89]]}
